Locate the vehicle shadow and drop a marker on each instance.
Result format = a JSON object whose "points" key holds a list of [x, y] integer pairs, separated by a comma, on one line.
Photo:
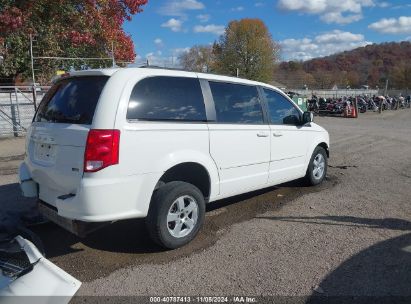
{"points": [[378, 274], [298, 183], [12, 200], [126, 236], [238, 198], [385, 223], [17, 214], [131, 236], [14, 208]]}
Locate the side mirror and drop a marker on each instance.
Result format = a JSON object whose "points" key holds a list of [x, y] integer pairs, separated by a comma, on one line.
{"points": [[307, 118]]}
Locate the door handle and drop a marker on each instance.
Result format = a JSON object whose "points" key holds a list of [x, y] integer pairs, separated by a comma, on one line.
{"points": [[262, 134], [277, 134]]}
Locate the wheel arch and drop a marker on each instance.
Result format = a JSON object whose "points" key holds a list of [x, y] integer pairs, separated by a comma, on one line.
{"points": [[189, 172], [325, 146], [318, 143]]}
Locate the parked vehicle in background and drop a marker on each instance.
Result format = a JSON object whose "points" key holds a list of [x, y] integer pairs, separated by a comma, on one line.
{"points": [[362, 105], [373, 104], [313, 104], [336, 107], [113, 144], [323, 106], [401, 102]]}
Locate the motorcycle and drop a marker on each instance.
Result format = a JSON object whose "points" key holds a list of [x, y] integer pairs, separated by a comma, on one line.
{"points": [[362, 105]]}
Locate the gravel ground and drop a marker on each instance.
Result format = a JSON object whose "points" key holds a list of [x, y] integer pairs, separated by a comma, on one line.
{"points": [[350, 236]]}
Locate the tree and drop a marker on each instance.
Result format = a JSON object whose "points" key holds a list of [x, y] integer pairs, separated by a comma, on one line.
{"points": [[401, 76], [198, 59], [370, 65], [247, 46], [324, 79], [353, 79], [64, 28]]}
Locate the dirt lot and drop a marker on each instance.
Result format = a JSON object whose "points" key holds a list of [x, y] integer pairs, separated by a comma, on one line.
{"points": [[350, 236]]}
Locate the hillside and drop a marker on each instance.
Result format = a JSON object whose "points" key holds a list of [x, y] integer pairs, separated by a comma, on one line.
{"points": [[370, 65]]}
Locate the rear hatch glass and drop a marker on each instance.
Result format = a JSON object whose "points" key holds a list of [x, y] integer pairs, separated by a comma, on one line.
{"points": [[59, 134], [72, 100]]}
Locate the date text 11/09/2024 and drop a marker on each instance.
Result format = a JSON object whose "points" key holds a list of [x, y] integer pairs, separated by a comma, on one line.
{"points": [[199, 299]]}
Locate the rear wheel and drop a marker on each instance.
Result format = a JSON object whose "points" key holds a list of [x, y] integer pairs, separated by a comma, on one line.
{"points": [[317, 168], [176, 214]]}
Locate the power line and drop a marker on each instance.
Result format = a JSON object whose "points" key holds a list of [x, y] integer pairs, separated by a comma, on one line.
{"points": [[73, 58], [33, 58]]}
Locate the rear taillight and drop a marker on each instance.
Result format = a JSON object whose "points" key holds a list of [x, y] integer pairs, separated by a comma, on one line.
{"points": [[102, 149]]}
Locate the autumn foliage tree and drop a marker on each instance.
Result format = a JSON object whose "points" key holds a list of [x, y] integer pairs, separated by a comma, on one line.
{"points": [[198, 59], [401, 76], [371, 65], [246, 45], [64, 28]]}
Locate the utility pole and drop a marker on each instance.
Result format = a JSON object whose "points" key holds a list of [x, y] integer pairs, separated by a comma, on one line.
{"points": [[386, 87], [112, 54], [33, 88], [32, 60]]}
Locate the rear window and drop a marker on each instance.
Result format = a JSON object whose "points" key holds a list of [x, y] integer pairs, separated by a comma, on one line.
{"points": [[72, 100], [167, 98]]}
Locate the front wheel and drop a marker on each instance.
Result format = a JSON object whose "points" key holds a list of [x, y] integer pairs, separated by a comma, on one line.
{"points": [[317, 168], [176, 214]]}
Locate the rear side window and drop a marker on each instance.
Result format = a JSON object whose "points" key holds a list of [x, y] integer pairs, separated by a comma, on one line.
{"points": [[72, 100], [235, 103], [167, 98]]}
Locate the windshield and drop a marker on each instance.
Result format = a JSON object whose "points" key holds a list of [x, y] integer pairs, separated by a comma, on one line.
{"points": [[72, 100]]}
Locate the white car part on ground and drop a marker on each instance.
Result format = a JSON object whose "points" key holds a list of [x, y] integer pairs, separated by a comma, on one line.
{"points": [[45, 283]]}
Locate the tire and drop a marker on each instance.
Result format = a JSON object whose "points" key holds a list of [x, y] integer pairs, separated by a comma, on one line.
{"points": [[176, 214], [312, 176]]}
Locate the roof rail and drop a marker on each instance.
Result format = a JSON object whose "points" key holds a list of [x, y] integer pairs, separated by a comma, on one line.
{"points": [[162, 68]]}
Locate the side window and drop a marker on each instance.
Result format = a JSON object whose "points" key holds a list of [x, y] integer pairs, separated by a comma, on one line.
{"points": [[280, 110], [235, 103], [167, 98]]}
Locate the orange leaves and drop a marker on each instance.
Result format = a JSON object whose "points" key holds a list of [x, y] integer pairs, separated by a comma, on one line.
{"points": [[65, 28], [11, 19]]}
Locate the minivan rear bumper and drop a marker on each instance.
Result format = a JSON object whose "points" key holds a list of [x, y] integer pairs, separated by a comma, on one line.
{"points": [[76, 227], [100, 200], [96, 199], [28, 186]]}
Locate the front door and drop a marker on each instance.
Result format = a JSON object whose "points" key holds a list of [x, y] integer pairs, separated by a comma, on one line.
{"points": [[289, 141]]}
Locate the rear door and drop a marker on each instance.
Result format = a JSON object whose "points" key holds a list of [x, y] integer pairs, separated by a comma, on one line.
{"points": [[239, 138], [59, 132]]}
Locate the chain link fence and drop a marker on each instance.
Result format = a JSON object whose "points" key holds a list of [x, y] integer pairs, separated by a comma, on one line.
{"points": [[335, 94], [18, 105]]}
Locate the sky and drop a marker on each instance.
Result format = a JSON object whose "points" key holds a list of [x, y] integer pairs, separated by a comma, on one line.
{"points": [[305, 29]]}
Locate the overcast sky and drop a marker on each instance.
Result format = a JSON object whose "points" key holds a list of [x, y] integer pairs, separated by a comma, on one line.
{"points": [[304, 28]]}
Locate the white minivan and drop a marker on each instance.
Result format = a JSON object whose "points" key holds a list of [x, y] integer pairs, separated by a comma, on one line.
{"points": [[113, 144]]}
